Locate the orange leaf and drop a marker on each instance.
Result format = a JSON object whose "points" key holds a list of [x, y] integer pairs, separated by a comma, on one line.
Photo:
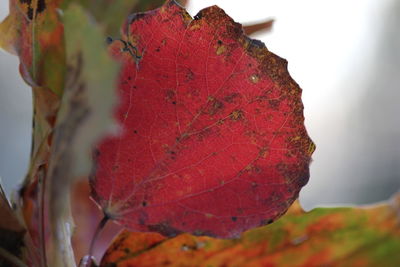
{"points": [[322, 237]]}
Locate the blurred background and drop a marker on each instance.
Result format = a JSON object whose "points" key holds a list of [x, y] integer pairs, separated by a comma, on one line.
{"points": [[346, 57]]}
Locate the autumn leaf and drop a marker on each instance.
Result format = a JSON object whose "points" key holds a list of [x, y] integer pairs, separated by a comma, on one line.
{"points": [[368, 236], [212, 137], [34, 33]]}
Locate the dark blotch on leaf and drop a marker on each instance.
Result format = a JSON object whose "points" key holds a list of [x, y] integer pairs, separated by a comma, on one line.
{"points": [[165, 229], [41, 6], [234, 219], [273, 103], [266, 222], [136, 16], [109, 40], [234, 30], [257, 43], [142, 217], [198, 16], [215, 106], [203, 233], [231, 98], [115, 167], [30, 13]]}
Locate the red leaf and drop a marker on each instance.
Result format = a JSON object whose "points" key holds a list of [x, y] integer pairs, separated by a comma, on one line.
{"points": [[212, 139]]}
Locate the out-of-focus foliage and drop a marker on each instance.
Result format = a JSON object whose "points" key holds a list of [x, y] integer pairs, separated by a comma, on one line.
{"points": [[365, 236]]}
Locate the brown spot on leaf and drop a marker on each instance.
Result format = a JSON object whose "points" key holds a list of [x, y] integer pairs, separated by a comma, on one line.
{"points": [[115, 168], [236, 115], [215, 106], [170, 96], [189, 75], [274, 103], [231, 97], [221, 49]]}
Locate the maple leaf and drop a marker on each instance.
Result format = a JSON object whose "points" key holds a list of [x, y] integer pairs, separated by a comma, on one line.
{"points": [[367, 236], [212, 137]]}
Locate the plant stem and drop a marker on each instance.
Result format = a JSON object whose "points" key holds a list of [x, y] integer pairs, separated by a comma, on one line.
{"points": [[42, 237], [100, 227]]}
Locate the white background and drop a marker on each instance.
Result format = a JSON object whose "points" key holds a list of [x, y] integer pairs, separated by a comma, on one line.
{"points": [[344, 54]]}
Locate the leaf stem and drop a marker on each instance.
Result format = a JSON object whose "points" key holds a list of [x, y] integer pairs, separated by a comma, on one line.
{"points": [[96, 234]]}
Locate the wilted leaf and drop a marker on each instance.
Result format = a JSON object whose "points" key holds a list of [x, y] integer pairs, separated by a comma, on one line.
{"points": [[322, 237], [34, 32], [213, 140]]}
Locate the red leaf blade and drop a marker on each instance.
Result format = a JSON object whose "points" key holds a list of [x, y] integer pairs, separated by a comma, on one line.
{"points": [[213, 140]]}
